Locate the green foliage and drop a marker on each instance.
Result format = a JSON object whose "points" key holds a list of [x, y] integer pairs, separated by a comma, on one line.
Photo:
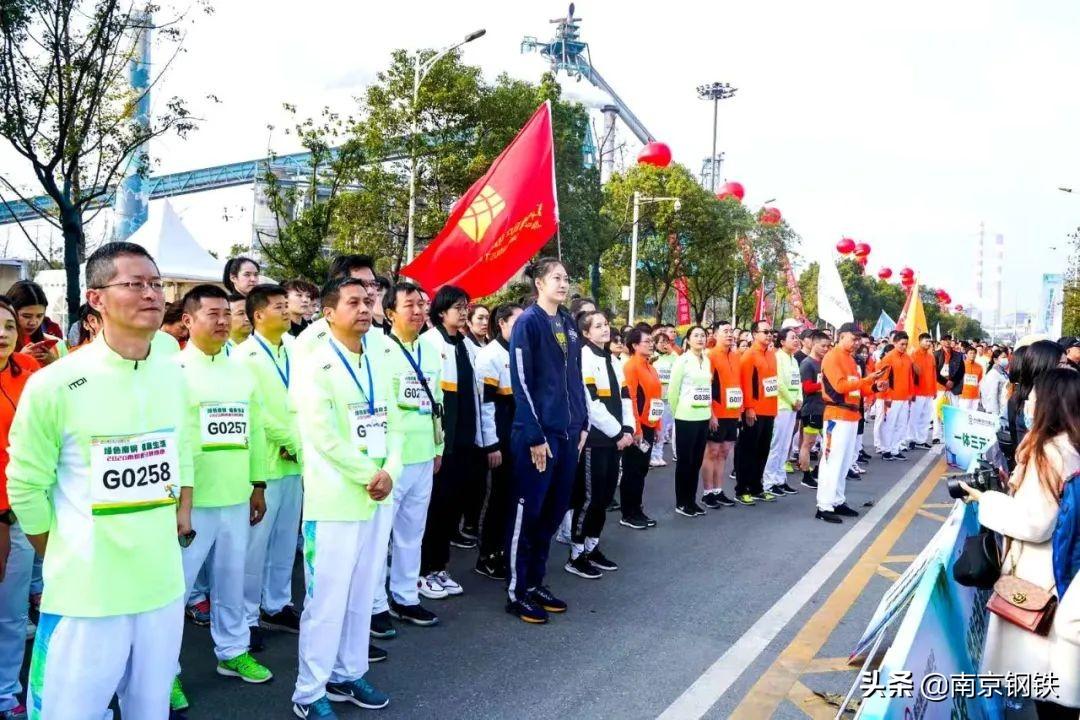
{"points": [[1070, 321]]}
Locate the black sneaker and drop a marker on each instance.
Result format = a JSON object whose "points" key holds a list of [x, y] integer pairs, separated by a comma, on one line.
{"points": [[937, 441], [648, 520], [888, 456], [709, 500], [492, 566], [257, 640], [416, 614], [382, 626], [614, 506], [852, 475], [376, 654], [864, 456], [287, 620], [461, 541], [732, 475], [696, 509], [827, 516], [543, 597], [724, 500], [685, 511], [809, 481], [786, 489], [528, 611], [635, 522], [602, 561], [899, 456], [581, 567], [923, 446], [844, 511], [469, 532]]}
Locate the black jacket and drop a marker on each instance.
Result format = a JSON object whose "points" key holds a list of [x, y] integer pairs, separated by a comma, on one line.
{"points": [[955, 373]]}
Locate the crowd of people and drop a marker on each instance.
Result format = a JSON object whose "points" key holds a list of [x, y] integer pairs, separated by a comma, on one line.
{"points": [[174, 458]]}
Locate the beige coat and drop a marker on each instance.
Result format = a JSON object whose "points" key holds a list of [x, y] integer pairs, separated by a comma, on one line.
{"points": [[1028, 517]]}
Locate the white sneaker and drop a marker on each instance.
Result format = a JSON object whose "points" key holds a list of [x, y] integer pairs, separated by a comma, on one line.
{"points": [[429, 587], [656, 462], [451, 586]]}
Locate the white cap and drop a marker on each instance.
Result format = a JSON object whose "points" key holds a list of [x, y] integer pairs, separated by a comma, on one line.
{"points": [[790, 323]]}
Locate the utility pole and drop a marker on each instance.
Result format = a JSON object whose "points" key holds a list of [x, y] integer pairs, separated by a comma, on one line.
{"points": [[716, 92]]}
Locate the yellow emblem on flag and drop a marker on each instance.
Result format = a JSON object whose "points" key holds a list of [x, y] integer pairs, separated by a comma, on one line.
{"points": [[481, 213]]}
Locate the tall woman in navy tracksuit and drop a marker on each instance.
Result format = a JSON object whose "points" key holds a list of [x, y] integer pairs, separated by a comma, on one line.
{"points": [[550, 416]]}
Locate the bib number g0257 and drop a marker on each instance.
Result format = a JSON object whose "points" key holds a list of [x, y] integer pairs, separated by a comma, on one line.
{"points": [[412, 395], [132, 473], [224, 426]]}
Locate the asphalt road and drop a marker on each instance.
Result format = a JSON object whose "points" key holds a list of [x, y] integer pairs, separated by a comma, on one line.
{"points": [[632, 641]]}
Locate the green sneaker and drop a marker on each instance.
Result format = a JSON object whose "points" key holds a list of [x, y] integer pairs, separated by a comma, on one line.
{"points": [[765, 496], [177, 699], [788, 467], [745, 499], [246, 668]]}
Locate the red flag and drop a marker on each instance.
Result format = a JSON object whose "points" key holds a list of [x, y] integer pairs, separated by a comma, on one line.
{"points": [[682, 302], [760, 309], [501, 221]]}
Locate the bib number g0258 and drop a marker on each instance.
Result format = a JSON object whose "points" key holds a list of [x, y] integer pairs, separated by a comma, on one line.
{"points": [[132, 473]]}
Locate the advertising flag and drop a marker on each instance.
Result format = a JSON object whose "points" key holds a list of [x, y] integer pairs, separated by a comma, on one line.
{"points": [[501, 221], [832, 301], [913, 317]]}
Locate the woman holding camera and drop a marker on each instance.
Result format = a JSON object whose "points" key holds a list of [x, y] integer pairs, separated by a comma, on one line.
{"points": [[1047, 459]]}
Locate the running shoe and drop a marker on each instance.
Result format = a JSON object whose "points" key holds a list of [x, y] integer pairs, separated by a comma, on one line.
{"points": [[724, 500], [376, 654], [493, 566], [285, 620], [852, 475], [246, 668], [318, 710], [256, 639], [888, 456], [788, 467], [685, 511], [430, 588], [844, 511], [543, 597], [601, 561], [900, 456], [469, 532], [416, 614], [177, 699], [527, 611], [696, 509], [382, 626], [864, 456], [199, 613], [656, 463], [809, 481], [786, 489], [765, 496], [358, 692], [923, 446], [460, 541], [710, 500], [451, 586], [634, 522], [828, 516], [648, 520], [581, 567], [745, 499]]}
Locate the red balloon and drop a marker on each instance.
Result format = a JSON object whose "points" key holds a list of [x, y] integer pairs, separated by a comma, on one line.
{"points": [[942, 296], [862, 260], [655, 153], [907, 281], [862, 249], [846, 246], [770, 216], [731, 189], [884, 273], [907, 272]]}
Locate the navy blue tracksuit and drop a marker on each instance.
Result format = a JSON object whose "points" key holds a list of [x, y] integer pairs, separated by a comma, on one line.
{"points": [[549, 406]]}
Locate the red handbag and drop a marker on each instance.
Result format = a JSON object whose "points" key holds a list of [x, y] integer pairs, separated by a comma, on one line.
{"points": [[1023, 603]]}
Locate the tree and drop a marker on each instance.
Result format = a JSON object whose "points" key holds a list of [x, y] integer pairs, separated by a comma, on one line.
{"points": [[1070, 320], [65, 107]]}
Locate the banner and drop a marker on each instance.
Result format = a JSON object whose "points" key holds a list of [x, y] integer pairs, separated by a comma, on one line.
{"points": [[967, 434], [501, 221], [682, 302], [793, 288]]}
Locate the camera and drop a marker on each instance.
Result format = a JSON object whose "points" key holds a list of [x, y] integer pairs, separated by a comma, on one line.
{"points": [[983, 478]]}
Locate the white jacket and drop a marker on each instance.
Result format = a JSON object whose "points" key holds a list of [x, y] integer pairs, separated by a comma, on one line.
{"points": [[610, 409], [448, 380], [1029, 517]]}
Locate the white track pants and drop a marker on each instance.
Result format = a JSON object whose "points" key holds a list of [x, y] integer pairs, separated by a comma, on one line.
{"points": [[896, 425], [14, 615], [881, 443], [667, 424], [343, 562], [779, 448], [972, 404], [839, 450], [79, 663], [272, 549], [223, 530], [412, 493], [922, 407]]}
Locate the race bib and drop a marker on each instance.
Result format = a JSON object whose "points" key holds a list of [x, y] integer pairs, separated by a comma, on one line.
{"points": [[770, 386], [664, 373], [131, 473], [224, 426], [971, 379], [656, 410], [700, 396], [796, 379], [733, 398], [369, 430], [412, 395]]}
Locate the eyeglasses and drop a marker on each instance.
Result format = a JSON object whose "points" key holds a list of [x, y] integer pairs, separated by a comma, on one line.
{"points": [[136, 285]]}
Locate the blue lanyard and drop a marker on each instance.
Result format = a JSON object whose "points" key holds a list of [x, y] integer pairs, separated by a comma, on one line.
{"points": [[370, 394], [419, 357], [283, 375]]}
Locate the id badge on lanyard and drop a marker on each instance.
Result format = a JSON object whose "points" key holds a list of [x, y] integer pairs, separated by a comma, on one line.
{"points": [[369, 429]]}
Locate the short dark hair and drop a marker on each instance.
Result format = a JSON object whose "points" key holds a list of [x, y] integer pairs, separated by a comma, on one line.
{"points": [[233, 267], [343, 265], [848, 327], [233, 297], [101, 265], [756, 325], [193, 298], [817, 335], [389, 301], [25, 293], [445, 298], [260, 297], [384, 282], [331, 292], [807, 333], [781, 335], [503, 312], [634, 337], [924, 336], [946, 336], [174, 313], [302, 287], [900, 335]]}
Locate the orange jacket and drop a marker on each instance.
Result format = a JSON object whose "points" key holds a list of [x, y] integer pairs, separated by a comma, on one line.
{"points": [[11, 387], [643, 382], [922, 362], [725, 368], [757, 375], [901, 381], [842, 385], [973, 375]]}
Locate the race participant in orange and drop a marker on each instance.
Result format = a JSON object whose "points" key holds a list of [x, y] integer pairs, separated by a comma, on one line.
{"points": [[757, 375], [842, 388], [643, 384], [898, 395], [973, 375], [724, 425], [922, 406]]}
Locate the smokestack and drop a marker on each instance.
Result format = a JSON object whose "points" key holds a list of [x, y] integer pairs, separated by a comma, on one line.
{"points": [[999, 243]]}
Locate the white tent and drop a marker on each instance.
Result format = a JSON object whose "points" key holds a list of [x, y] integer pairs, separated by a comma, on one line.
{"points": [[181, 259]]}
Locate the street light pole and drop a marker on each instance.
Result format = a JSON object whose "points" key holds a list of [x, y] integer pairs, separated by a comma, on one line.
{"points": [[419, 71], [716, 92], [639, 200]]}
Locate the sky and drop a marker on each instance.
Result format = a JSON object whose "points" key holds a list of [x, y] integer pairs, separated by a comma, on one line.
{"points": [[903, 125]]}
